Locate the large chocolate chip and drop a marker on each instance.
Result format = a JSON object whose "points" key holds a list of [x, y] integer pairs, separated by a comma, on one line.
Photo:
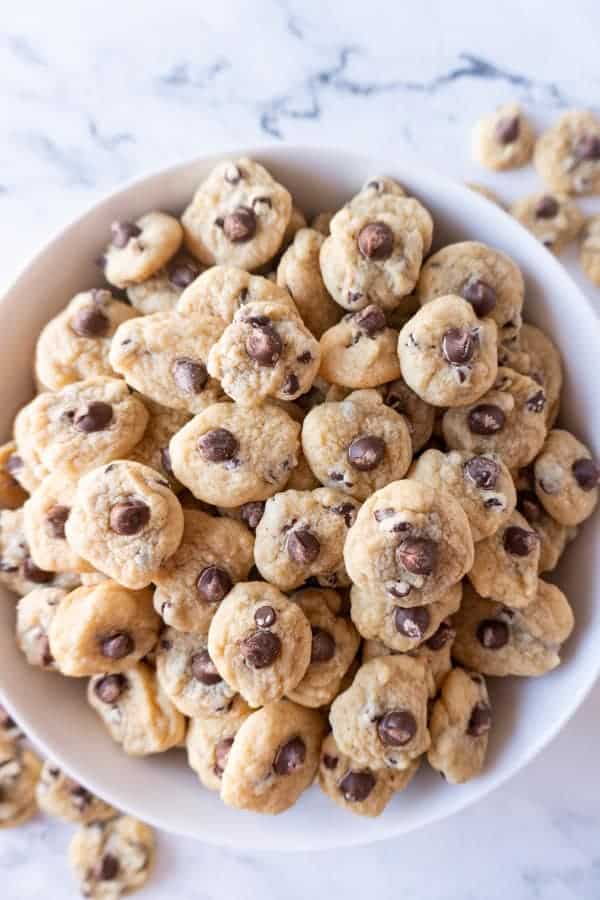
{"points": [[397, 728], [263, 344], [519, 541], [356, 786], [189, 375], [441, 637], [291, 384], [95, 416], [90, 322], [323, 645], [290, 757], [412, 622], [265, 616], [108, 868], [302, 546], [218, 445], [56, 517], [546, 207], [329, 761], [537, 402], [486, 419], [34, 573], [129, 516], [507, 129], [366, 453], [529, 506], [260, 649], [480, 295], [221, 753], [376, 240], [122, 232], [480, 721], [586, 473], [240, 225], [110, 688], [348, 511], [117, 645], [483, 472], [251, 513], [587, 148], [458, 346], [417, 555], [80, 797], [492, 634], [213, 584], [371, 320], [204, 669], [181, 274]]}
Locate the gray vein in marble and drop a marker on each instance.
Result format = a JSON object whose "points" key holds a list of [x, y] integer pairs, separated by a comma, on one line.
{"points": [[181, 74], [108, 142], [20, 47]]}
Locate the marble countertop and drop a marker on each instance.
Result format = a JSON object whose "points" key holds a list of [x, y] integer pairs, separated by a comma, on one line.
{"points": [[93, 94]]}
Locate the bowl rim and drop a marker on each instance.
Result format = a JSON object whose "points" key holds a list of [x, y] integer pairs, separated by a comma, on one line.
{"points": [[375, 162]]}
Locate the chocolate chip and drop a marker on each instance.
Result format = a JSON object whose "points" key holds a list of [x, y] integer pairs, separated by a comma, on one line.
{"points": [[221, 753], [265, 616], [348, 511], [213, 584], [413, 622], [376, 240], [398, 589], [354, 296], [56, 517], [189, 375], [80, 797], [323, 645], [486, 419], [329, 761], [536, 403], [181, 274], [586, 473], [371, 320], [129, 516], [95, 416], [218, 445], [529, 506], [519, 541], [587, 148], [90, 322], [507, 129], [122, 232], [14, 463], [117, 645], [33, 573], [251, 513], [397, 728], [417, 555], [204, 669], [441, 637], [480, 721], [356, 786], [304, 358], [291, 384], [302, 546], [483, 472], [480, 295], [366, 453], [260, 649], [240, 225], [546, 207], [110, 688], [108, 868], [263, 344], [290, 757], [458, 346], [492, 634]]}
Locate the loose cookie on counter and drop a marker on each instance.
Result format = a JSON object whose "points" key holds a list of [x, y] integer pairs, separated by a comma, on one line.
{"points": [[139, 249], [567, 155], [566, 478], [503, 140], [63, 798], [300, 274], [35, 612], [112, 858], [19, 772], [208, 742], [360, 351], [553, 219]]}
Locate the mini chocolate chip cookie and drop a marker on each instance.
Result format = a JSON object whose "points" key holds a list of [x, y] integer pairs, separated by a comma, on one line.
{"points": [[153, 449], [418, 415], [567, 155], [274, 758], [45, 515], [125, 521], [35, 612], [544, 365], [18, 571], [503, 140], [260, 642], [136, 711], [111, 858], [459, 724], [63, 798], [19, 772], [299, 273], [553, 536], [506, 563], [12, 495], [139, 249], [209, 740], [566, 478], [553, 219], [360, 351], [497, 640], [161, 291]]}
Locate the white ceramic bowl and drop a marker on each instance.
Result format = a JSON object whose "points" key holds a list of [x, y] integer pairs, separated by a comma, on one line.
{"points": [[527, 713]]}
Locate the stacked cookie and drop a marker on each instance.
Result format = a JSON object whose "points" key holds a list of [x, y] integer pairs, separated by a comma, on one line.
{"points": [[287, 499]]}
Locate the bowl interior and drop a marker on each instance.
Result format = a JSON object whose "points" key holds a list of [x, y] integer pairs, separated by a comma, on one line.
{"points": [[528, 713]]}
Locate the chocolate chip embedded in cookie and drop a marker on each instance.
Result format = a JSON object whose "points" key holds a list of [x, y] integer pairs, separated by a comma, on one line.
{"points": [[139, 249], [112, 858], [63, 798], [360, 351], [299, 273], [301, 535], [496, 640], [19, 772], [260, 642], [209, 741], [125, 521], [102, 627], [567, 155], [381, 720], [35, 612], [238, 216], [566, 478], [504, 140], [274, 758], [459, 724], [137, 713]]}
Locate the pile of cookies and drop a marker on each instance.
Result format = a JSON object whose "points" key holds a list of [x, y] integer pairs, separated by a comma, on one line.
{"points": [[567, 158], [286, 492]]}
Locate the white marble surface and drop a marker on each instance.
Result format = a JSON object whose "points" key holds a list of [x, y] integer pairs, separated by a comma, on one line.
{"points": [[92, 94]]}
